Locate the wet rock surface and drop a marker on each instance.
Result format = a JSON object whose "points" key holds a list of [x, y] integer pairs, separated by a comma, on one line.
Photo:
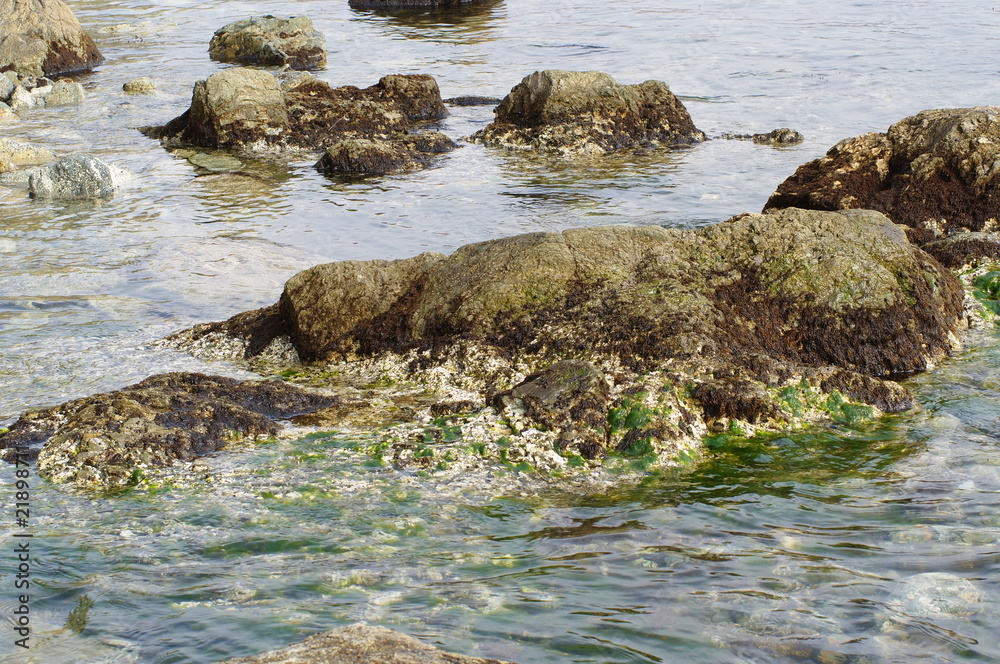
{"points": [[588, 113], [246, 110], [936, 172], [108, 440], [624, 341], [363, 156], [43, 37], [360, 644], [413, 4], [139, 86], [270, 40], [775, 137], [77, 177]]}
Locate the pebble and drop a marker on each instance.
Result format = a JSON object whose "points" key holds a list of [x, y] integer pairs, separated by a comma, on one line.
{"points": [[139, 86]]}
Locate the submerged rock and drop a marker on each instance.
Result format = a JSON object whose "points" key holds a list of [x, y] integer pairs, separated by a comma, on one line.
{"points": [[77, 176], [588, 113], [270, 40], [107, 440], [248, 110], [23, 154], [765, 319], [937, 172], [472, 100], [360, 644], [43, 37]]}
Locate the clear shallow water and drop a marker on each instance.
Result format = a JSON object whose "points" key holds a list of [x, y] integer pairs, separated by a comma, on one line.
{"points": [[820, 547]]}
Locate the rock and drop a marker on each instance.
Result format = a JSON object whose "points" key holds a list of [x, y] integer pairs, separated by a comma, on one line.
{"points": [[6, 88], [962, 249], [588, 113], [570, 396], [139, 86], [44, 38], [362, 156], [620, 344], [65, 93], [412, 4], [248, 111], [6, 114], [775, 137], [360, 644], [107, 440], [21, 99], [937, 172], [24, 154], [936, 595], [217, 163], [472, 101], [77, 176], [270, 40]]}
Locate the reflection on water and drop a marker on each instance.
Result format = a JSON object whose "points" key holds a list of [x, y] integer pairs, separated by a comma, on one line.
{"points": [[850, 545]]}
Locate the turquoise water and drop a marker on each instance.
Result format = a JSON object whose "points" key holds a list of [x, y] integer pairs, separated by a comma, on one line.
{"points": [[877, 544]]}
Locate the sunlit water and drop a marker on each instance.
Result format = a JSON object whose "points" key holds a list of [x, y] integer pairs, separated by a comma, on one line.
{"points": [[871, 545]]}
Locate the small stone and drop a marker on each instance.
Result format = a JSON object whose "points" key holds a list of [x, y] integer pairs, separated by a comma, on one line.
{"points": [[6, 88], [65, 93], [139, 86], [6, 114], [21, 99]]}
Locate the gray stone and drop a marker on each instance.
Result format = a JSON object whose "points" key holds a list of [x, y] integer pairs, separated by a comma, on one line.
{"points": [[65, 93], [270, 40], [6, 88], [588, 114], [77, 176], [360, 644], [43, 37], [139, 86]]}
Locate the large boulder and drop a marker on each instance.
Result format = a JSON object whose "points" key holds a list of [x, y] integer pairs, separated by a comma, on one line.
{"points": [[270, 40], [107, 440], [248, 110], [625, 340], [826, 288], [588, 113], [43, 37], [937, 172], [360, 644]]}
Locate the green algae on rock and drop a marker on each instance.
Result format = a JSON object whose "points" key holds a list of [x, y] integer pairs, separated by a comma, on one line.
{"points": [[935, 172], [622, 340], [108, 440], [588, 114], [360, 644]]}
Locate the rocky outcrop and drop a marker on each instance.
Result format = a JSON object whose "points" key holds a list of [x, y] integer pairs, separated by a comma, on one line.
{"points": [[937, 172], [246, 110], [108, 440], [270, 40], [364, 156], [360, 644], [43, 37], [588, 113], [77, 176], [632, 340]]}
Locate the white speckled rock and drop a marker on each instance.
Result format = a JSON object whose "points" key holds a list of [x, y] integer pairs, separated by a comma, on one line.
{"points": [[24, 154], [78, 176]]}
